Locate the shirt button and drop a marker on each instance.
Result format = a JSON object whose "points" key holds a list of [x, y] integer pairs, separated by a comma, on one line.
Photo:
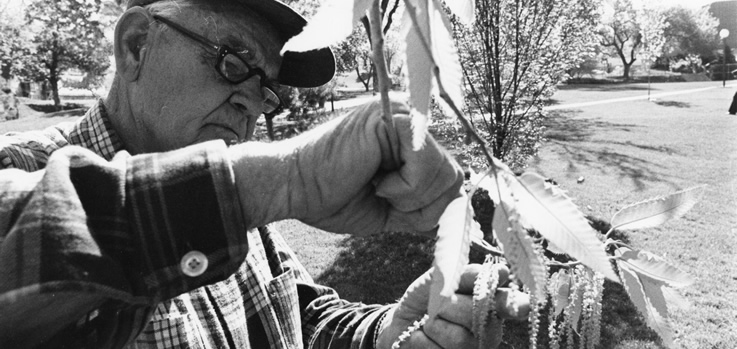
{"points": [[194, 263]]}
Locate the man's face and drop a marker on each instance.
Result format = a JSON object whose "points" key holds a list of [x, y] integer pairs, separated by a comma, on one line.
{"points": [[181, 99]]}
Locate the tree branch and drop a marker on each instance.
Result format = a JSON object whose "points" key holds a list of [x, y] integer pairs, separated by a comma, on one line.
{"points": [[443, 93], [382, 76]]}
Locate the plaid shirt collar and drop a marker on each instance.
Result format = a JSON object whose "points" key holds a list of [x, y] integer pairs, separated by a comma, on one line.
{"points": [[95, 132]]}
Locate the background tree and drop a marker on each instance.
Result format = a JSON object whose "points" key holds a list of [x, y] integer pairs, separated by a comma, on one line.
{"points": [[354, 55], [512, 57], [620, 31], [67, 34], [622, 27], [388, 9], [14, 44], [689, 32], [11, 46]]}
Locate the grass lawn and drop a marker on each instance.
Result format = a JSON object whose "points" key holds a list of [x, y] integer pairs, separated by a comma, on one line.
{"points": [[627, 150]]}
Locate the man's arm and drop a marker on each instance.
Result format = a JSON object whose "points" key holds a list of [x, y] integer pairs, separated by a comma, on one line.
{"points": [[84, 231]]}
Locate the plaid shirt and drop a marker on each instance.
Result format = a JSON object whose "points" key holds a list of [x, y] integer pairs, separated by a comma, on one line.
{"points": [[92, 248]]}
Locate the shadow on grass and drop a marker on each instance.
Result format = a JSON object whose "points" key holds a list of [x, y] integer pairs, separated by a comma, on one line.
{"points": [[673, 104], [50, 108], [574, 136], [378, 268], [605, 87], [67, 113], [564, 126]]}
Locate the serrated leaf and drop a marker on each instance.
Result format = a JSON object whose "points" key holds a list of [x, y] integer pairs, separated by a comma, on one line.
{"points": [[445, 56], [562, 290], [419, 77], [675, 299], [654, 293], [555, 249], [486, 182], [333, 22], [577, 303], [464, 9], [649, 265], [644, 294], [556, 217], [518, 249], [451, 251], [653, 212], [430, 52]]}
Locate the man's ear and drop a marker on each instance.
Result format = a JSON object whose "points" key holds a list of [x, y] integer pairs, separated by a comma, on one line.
{"points": [[131, 34]]}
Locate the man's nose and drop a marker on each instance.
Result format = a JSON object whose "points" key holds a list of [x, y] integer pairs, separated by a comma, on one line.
{"points": [[247, 97]]}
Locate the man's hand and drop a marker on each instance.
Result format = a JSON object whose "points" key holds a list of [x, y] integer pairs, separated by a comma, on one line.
{"points": [[451, 329], [344, 176]]}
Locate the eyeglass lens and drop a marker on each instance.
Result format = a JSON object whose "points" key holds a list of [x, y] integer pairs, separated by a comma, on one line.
{"points": [[234, 69]]}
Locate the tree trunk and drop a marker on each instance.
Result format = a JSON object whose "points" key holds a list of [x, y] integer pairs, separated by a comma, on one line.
{"points": [[54, 82], [374, 74], [360, 78], [54, 78], [627, 68]]}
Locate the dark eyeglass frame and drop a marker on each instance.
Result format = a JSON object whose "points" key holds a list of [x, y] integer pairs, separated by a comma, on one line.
{"points": [[222, 52]]}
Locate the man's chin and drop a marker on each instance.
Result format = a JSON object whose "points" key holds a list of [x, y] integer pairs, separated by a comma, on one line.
{"points": [[213, 132]]}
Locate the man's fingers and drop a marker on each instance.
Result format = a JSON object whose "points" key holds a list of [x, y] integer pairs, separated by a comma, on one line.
{"points": [[423, 173], [423, 219], [414, 302], [448, 334], [468, 278], [457, 311], [419, 340], [511, 304]]}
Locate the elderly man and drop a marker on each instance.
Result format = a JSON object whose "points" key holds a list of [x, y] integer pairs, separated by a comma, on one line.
{"points": [[137, 226]]}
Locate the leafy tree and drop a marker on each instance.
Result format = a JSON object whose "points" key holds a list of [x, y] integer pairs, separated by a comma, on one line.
{"points": [[10, 47], [622, 29], [512, 57], [521, 202], [653, 26], [388, 9], [689, 32], [68, 34], [354, 55], [14, 44]]}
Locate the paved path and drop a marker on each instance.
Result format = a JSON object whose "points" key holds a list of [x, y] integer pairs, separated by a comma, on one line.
{"points": [[635, 98], [361, 99]]}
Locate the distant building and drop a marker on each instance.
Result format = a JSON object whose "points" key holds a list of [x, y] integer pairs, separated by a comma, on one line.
{"points": [[726, 13]]}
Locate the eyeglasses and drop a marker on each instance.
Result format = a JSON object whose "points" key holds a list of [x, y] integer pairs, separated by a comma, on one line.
{"points": [[232, 67]]}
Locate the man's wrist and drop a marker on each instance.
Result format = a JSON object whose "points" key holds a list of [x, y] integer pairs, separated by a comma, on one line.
{"points": [[389, 330], [262, 178]]}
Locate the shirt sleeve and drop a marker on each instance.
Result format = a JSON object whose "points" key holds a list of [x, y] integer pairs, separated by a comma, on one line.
{"points": [[328, 322], [84, 231], [332, 323]]}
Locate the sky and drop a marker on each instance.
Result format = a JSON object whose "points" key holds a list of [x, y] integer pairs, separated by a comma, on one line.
{"points": [[13, 6], [684, 3]]}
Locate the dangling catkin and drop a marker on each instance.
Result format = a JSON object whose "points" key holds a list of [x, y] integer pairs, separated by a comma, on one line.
{"points": [[596, 313], [568, 313], [553, 328], [484, 306], [534, 319]]}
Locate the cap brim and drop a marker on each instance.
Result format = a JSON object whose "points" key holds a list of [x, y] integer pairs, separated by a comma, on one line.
{"points": [[298, 69]]}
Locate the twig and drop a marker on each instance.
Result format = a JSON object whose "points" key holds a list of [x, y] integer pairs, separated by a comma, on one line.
{"points": [[412, 11], [485, 247], [570, 264], [382, 76]]}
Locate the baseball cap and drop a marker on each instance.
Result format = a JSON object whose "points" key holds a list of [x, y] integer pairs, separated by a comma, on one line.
{"points": [[298, 69]]}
